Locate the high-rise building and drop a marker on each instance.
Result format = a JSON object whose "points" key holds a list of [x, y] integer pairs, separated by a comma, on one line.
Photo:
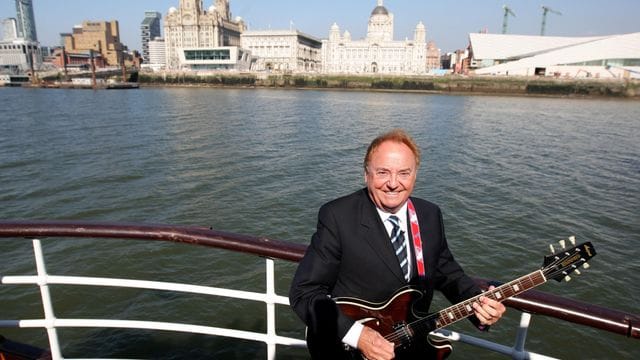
{"points": [[149, 30], [26, 20]]}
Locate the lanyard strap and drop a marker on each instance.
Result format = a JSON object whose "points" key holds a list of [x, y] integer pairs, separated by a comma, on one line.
{"points": [[417, 240]]}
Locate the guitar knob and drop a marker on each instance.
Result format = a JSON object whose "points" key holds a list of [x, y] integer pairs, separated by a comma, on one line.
{"points": [[562, 243], [586, 265], [567, 278], [572, 239]]}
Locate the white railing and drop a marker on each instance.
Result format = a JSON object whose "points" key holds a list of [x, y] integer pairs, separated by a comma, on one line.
{"points": [[532, 301], [51, 323]]}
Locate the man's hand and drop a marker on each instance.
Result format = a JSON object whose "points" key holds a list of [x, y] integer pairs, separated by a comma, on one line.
{"points": [[373, 346], [487, 310]]}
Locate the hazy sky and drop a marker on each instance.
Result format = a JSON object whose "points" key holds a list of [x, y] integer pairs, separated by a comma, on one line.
{"points": [[448, 23]]}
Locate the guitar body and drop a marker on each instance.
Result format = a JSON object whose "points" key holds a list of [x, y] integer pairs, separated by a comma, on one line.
{"points": [[400, 321], [390, 319]]}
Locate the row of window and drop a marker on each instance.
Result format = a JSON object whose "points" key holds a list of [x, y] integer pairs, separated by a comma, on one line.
{"points": [[607, 62]]}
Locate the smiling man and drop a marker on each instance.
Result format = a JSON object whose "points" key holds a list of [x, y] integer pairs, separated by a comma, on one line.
{"points": [[370, 244]]}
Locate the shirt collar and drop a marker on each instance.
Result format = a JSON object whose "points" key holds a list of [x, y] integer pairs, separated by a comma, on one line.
{"points": [[401, 214]]}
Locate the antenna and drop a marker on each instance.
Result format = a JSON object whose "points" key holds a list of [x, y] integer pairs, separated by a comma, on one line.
{"points": [[545, 10], [507, 12]]}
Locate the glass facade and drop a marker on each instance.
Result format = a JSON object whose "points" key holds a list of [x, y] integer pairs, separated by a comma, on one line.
{"points": [[207, 54]]}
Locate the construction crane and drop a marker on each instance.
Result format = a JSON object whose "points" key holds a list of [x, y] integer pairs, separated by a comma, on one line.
{"points": [[545, 10], [507, 12]]}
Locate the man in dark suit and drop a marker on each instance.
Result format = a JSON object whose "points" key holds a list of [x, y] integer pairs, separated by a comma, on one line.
{"points": [[373, 242]]}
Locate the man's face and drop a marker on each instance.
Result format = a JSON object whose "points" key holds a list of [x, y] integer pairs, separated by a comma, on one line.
{"points": [[391, 175]]}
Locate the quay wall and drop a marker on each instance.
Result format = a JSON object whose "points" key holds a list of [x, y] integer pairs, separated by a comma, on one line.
{"points": [[518, 86]]}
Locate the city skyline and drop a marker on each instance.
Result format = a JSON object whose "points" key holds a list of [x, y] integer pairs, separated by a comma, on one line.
{"points": [[448, 26]]}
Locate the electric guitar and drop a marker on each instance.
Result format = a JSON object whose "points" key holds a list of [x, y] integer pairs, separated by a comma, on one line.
{"points": [[400, 324]]}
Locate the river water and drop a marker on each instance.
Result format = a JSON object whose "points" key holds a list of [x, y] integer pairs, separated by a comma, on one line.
{"points": [[511, 174]]}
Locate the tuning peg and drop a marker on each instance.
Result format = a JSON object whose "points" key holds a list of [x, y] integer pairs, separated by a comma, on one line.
{"points": [[553, 251], [562, 243], [576, 271], [572, 239], [586, 265], [567, 278]]}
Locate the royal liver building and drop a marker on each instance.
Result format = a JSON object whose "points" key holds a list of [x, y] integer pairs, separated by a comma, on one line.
{"points": [[378, 52], [191, 30]]}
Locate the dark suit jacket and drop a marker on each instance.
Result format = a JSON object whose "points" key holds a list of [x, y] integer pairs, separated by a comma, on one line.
{"points": [[351, 255]]}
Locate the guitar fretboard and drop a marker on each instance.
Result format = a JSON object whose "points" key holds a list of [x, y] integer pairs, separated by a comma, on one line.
{"points": [[465, 309]]}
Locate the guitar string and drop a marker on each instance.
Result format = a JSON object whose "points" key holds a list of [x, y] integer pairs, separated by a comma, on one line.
{"points": [[398, 334]]}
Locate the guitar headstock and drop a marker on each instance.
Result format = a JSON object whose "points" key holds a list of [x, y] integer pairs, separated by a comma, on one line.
{"points": [[559, 265]]}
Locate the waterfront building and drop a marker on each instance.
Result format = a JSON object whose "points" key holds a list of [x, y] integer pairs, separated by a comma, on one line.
{"points": [[9, 29], [149, 30], [157, 55], [203, 39], [433, 57], [77, 60], [99, 36], [19, 56], [26, 21], [611, 56], [19, 48], [378, 52], [283, 50]]}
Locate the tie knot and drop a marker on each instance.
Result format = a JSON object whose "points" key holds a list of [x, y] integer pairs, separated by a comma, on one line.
{"points": [[395, 221]]}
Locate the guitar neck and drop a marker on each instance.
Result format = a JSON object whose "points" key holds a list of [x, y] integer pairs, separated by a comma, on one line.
{"points": [[465, 309]]}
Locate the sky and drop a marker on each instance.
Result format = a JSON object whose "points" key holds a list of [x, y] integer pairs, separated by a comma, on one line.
{"points": [[448, 23]]}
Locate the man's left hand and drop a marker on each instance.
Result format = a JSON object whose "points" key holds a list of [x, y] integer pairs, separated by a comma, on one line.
{"points": [[487, 310]]}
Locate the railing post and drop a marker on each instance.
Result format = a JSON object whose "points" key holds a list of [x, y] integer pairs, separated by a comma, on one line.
{"points": [[271, 310], [47, 305], [521, 335]]}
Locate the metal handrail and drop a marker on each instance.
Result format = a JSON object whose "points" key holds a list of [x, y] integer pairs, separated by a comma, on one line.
{"points": [[533, 301]]}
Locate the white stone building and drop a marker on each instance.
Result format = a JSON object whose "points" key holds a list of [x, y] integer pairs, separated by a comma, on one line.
{"points": [[283, 50], [192, 27], [157, 54], [378, 52]]}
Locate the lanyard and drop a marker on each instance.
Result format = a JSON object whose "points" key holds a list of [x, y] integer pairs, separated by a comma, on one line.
{"points": [[417, 240]]}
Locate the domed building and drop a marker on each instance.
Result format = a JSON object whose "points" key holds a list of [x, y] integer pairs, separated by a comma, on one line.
{"points": [[198, 38], [378, 52]]}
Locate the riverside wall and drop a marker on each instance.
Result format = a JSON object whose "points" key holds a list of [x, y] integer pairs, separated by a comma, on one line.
{"points": [[519, 86]]}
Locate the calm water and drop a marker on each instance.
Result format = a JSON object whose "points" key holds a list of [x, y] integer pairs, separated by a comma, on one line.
{"points": [[511, 175]]}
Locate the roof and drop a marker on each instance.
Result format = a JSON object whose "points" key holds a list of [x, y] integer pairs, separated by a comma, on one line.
{"points": [[380, 10], [625, 46], [505, 46]]}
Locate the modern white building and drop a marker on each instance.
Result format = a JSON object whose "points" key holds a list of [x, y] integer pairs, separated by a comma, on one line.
{"points": [[283, 50], [157, 55], [19, 56], [611, 56], [206, 34], [378, 52]]}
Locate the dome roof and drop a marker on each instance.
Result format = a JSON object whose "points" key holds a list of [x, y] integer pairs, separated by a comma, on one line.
{"points": [[380, 10]]}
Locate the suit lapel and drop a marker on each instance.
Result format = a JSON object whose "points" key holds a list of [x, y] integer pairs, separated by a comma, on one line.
{"points": [[376, 236]]}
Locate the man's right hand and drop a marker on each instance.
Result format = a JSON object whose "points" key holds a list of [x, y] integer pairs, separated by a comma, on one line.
{"points": [[373, 346]]}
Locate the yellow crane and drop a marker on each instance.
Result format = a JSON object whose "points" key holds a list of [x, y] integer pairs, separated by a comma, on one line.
{"points": [[545, 10]]}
